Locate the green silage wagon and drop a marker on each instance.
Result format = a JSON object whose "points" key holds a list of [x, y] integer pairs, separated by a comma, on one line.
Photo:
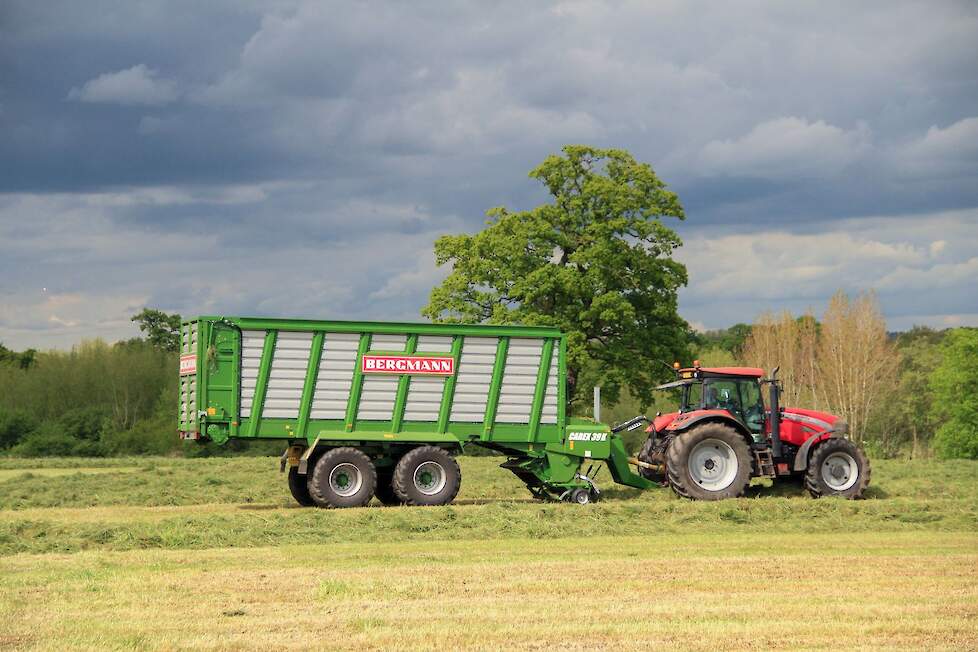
{"points": [[368, 409]]}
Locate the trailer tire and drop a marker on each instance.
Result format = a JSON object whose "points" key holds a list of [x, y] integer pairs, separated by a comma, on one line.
{"points": [[385, 490], [725, 457], [831, 468], [299, 487], [427, 475], [343, 477]]}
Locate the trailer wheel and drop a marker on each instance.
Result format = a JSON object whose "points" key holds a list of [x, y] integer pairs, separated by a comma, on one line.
{"points": [[343, 477], [299, 487], [838, 468], [709, 462], [581, 496], [427, 475], [385, 489]]}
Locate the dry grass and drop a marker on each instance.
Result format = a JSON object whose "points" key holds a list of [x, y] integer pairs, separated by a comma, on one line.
{"points": [[899, 591], [211, 554]]}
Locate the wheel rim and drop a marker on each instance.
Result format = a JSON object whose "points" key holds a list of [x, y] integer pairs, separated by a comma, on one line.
{"points": [[713, 464], [430, 478], [840, 471], [582, 498], [345, 479]]}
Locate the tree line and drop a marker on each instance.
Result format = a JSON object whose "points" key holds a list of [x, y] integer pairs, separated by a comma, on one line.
{"points": [[902, 393]]}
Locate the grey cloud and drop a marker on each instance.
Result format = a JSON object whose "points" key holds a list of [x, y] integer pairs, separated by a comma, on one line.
{"points": [[138, 85], [303, 156]]}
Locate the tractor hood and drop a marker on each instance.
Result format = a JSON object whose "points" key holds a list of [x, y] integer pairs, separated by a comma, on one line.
{"points": [[815, 420]]}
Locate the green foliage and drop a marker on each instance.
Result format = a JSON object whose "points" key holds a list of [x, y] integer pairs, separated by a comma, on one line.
{"points": [[730, 339], [23, 360], [955, 404], [15, 424], [162, 330], [596, 262]]}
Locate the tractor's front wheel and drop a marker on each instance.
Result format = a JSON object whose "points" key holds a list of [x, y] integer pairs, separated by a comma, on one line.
{"points": [[709, 462], [837, 468]]}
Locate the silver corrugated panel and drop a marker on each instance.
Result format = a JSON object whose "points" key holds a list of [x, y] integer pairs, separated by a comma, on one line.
{"points": [[188, 383], [434, 344], [287, 375], [549, 412], [424, 398], [188, 338], [474, 376], [188, 399], [377, 398], [335, 376], [385, 342], [252, 343], [425, 392], [519, 380]]}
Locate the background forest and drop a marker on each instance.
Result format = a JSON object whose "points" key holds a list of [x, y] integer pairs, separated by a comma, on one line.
{"points": [[903, 394]]}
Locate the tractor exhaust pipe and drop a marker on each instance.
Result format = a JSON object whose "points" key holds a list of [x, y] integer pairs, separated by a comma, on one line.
{"points": [[775, 401]]}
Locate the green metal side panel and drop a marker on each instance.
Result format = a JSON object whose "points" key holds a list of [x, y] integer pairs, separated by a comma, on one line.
{"points": [[400, 401], [562, 385], [448, 394], [309, 385], [540, 390], [353, 405], [497, 380], [261, 385], [259, 323]]}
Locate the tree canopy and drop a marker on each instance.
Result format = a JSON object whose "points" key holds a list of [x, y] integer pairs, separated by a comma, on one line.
{"points": [[595, 261], [162, 330], [955, 405]]}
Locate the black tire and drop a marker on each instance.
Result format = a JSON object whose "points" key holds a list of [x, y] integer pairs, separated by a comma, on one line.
{"points": [[385, 489], [300, 488], [830, 468], [730, 460], [580, 496], [342, 477], [645, 455], [436, 464]]}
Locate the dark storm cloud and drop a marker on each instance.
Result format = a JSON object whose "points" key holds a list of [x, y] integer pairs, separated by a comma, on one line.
{"points": [[292, 157]]}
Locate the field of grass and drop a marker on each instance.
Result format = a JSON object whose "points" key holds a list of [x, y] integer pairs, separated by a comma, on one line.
{"points": [[164, 553]]}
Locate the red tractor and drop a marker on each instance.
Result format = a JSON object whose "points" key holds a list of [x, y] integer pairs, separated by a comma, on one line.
{"points": [[723, 435]]}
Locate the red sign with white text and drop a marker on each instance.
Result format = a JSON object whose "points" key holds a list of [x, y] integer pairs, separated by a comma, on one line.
{"points": [[188, 364], [408, 364]]}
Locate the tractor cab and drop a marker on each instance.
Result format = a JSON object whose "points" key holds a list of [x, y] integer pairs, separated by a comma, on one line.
{"points": [[734, 390]]}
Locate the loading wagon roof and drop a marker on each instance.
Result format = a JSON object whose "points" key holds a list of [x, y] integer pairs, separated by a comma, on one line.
{"points": [[283, 323]]}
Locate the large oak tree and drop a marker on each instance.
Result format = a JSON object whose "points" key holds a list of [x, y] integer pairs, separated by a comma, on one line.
{"points": [[596, 261]]}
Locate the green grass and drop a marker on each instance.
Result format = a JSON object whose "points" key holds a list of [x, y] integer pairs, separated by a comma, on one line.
{"points": [[212, 553]]}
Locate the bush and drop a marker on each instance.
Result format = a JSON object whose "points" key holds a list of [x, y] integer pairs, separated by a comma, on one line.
{"points": [[154, 436], [955, 404], [14, 426], [50, 442], [957, 440]]}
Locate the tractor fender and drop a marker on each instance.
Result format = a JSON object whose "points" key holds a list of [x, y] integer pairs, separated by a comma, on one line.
{"points": [[801, 458], [686, 421]]}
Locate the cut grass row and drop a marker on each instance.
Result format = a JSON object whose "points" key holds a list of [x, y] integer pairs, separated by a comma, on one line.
{"points": [[190, 504], [901, 590]]}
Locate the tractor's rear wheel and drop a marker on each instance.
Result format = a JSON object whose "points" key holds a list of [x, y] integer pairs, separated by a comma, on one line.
{"points": [[427, 475], [300, 488], [343, 477], [837, 468], [709, 462]]}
